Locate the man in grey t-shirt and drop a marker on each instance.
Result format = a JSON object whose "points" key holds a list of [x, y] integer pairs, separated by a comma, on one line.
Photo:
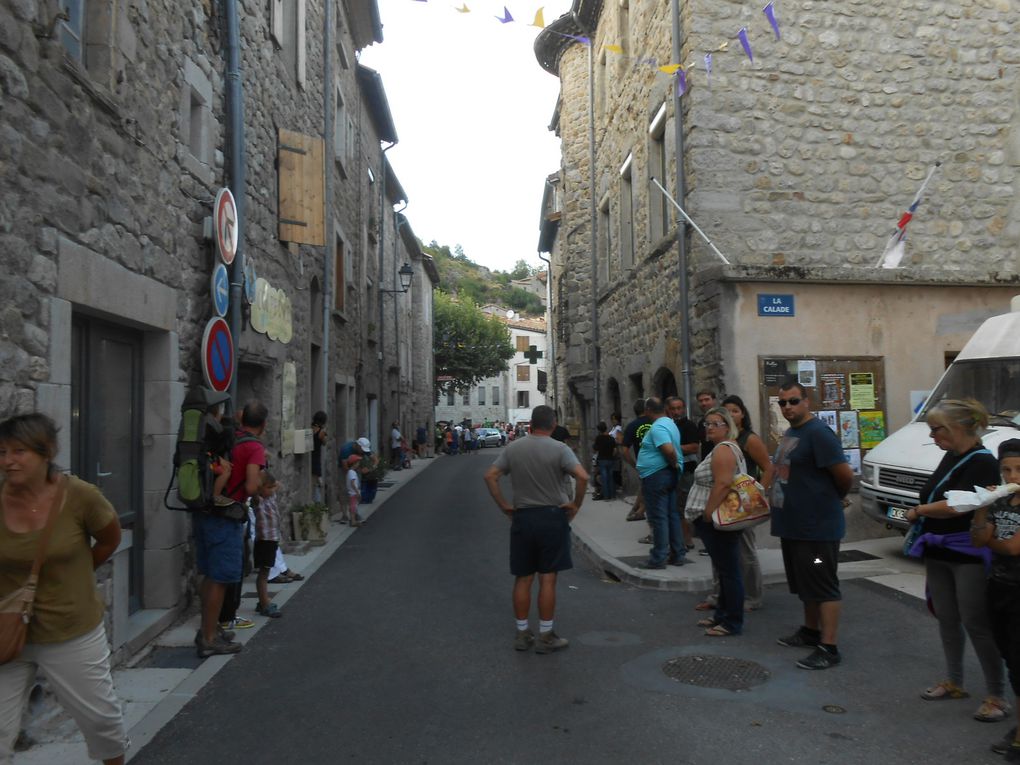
{"points": [[539, 469]]}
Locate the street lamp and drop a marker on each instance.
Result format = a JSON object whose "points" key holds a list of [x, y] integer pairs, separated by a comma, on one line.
{"points": [[406, 274]]}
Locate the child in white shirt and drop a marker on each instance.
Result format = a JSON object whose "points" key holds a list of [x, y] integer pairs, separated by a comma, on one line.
{"points": [[353, 489]]}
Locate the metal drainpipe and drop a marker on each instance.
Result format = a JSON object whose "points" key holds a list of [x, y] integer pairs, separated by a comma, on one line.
{"points": [[327, 292], [551, 344], [378, 287], [235, 131], [686, 373], [396, 313], [593, 214]]}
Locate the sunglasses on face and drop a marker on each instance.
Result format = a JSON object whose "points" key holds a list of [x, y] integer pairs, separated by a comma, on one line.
{"points": [[789, 401], [715, 424]]}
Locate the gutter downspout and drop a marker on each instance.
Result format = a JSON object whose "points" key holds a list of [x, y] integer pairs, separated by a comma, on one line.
{"points": [[686, 372], [379, 287], [329, 92], [593, 211], [551, 342], [396, 314], [236, 168]]}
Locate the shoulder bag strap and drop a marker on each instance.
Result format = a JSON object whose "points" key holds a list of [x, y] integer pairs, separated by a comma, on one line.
{"points": [[741, 464], [51, 522], [953, 469]]}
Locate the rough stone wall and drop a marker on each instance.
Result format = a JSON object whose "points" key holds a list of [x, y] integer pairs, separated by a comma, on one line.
{"points": [[804, 158]]}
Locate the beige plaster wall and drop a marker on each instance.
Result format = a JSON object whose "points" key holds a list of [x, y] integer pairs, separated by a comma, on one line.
{"points": [[911, 327]]}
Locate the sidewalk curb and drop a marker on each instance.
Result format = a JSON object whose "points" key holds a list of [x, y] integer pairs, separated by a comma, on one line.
{"points": [[165, 710]]}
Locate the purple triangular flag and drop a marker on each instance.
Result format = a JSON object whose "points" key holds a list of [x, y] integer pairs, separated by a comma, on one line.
{"points": [[681, 82], [745, 43], [770, 13], [708, 69], [506, 18]]}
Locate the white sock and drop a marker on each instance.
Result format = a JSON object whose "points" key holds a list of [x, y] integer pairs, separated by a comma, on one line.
{"points": [[545, 626], [522, 624]]}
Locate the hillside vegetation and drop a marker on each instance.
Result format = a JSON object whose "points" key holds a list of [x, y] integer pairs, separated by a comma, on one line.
{"points": [[460, 276]]}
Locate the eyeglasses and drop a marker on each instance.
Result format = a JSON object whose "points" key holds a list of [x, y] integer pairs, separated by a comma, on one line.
{"points": [[715, 424], [789, 401]]}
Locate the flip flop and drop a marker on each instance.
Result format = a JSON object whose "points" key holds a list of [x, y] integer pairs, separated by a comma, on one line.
{"points": [[706, 622], [295, 577], [718, 631], [704, 606]]}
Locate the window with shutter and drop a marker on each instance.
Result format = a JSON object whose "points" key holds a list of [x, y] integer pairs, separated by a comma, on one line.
{"points": [[523, 341], [301, 188]]}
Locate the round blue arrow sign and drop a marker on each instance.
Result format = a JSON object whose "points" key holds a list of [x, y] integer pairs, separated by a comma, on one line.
{"points": [[220, 289]]}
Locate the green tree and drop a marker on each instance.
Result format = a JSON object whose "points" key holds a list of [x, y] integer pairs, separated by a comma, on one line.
{"points": [[469, 345], [521, 270]]}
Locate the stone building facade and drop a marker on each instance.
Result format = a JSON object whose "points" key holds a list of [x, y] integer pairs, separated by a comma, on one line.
{"points": [[115, 140], [797, 166]]}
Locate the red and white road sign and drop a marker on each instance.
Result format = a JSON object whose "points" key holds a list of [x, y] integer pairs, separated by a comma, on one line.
{"points": [[225, 225]]}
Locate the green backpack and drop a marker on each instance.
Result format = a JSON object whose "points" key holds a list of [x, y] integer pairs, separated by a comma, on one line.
{"points": [[199, 434]]}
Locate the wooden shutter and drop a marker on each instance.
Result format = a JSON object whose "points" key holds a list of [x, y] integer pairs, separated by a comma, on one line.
{"points": [[302, 192]]}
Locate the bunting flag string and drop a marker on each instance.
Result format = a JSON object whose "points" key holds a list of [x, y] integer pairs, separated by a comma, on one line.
{"points": [[678, 70]]}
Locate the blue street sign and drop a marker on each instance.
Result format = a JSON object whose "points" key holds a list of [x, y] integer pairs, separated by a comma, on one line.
{"points": [[775, 305], [220, 289]]}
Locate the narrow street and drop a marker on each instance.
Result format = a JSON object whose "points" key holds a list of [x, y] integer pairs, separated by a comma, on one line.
{"points": [[398, 650]]}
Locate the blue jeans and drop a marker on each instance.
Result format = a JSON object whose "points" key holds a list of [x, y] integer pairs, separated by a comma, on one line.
{"points": [[724, 550], [606, 477], [663, 516]]}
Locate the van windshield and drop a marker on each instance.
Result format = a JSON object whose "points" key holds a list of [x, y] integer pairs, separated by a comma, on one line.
{"points": [[993, 382]]}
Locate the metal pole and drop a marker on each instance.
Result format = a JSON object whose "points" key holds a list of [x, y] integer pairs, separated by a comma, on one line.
{"points": [[235, 129], [690, 220], [686, 372], [593, 211], [327, 292]]}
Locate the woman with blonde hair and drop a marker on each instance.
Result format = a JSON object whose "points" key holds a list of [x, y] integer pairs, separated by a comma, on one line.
{"points": [[712, 481], [955, 569], [66, 636]]}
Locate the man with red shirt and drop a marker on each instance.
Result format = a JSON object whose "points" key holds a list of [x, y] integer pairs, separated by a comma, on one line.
{"points": [[219, 543]]}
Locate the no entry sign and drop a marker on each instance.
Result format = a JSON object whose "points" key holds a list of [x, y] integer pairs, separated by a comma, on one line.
{"points": [[217, 354], [225, 224]]}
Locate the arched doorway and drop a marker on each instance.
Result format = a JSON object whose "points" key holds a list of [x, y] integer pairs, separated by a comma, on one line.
{"points": [[664, 383]]}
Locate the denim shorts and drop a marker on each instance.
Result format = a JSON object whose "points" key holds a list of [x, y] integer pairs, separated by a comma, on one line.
{"points": [[539, 541], [219, 550]]}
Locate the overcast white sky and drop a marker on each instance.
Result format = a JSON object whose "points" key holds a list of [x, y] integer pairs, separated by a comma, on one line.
{"points": [[472, 109]]}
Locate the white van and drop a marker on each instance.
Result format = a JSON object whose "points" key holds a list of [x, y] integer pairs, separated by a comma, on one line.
{"points": [[987, 369]]}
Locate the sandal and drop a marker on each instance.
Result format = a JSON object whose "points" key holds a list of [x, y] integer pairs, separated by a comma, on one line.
{"points": [[295, 577], [706, 622], [718, 631], [705, 606], [992, 709], [281, 579], [947, 689]]}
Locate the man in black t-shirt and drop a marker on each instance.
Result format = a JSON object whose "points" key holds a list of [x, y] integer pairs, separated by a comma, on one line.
{"points": [[706, 400], [676, 408], [632, 436]]}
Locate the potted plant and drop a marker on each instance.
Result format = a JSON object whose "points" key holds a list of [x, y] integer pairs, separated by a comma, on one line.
{"points": [[373, 470], [309, 522]]}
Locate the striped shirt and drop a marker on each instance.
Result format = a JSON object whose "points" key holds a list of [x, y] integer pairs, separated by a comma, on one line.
{"points": [[267, 519], [697, 498]]}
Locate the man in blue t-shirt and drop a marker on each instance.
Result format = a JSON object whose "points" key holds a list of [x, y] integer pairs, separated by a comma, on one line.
{"points": [[658, 465], [812, 478]]}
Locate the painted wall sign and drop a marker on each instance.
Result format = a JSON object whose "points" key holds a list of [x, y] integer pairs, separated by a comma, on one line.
{"points": [[225, 225], [775, 305], [217, 354], [220, 288], [272, 313]]}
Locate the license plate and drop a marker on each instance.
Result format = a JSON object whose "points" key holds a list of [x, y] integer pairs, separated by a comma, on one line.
{"points": [[897, 513]]}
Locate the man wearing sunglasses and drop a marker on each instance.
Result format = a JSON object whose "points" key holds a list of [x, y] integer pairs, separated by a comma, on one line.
{"points": [[812, 477]]}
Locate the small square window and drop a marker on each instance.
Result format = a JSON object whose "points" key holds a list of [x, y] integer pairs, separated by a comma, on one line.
{"points": [[522, 399]]}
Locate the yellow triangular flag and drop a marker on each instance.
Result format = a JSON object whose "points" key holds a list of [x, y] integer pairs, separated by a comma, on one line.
{"points": [[723, 47], [670, 68], [614, 49], [539, 19], [463, 9]]}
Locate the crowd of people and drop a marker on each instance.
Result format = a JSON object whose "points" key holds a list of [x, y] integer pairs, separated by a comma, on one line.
{"points": [[971, 559]]}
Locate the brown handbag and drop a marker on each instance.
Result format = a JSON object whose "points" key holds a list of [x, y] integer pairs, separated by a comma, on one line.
{"points": [[16, 608]]}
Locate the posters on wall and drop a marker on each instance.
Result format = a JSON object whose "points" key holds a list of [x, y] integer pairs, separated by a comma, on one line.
{"points": [[853, 456], [872, 428], [833, 391], [862, 390], [775, 372], [807, 372], [829, 417], [849, 435]]}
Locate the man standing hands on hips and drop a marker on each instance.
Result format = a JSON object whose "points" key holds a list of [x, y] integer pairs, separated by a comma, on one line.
{"points": [[812, 477], [540, 469]]}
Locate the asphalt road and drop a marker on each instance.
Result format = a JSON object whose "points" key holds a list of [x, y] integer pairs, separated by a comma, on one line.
{"points": [[398, 650]]}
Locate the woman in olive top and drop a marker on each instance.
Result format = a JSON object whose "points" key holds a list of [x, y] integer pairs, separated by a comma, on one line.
{"points": [[66, 637]]}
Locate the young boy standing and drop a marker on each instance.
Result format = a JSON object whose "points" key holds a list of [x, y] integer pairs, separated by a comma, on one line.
{"points": [[996, 527], [353, 489], [267, 541]]}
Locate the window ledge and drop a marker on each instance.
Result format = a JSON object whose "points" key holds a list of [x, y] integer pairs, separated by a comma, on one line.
{"points": [[103, 98], [340, 315]]}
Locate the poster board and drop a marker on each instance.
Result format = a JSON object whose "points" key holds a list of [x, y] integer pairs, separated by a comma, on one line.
{"points": [[847, 394]]}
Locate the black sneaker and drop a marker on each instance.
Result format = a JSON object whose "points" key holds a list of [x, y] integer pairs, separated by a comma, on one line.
{"points": [[802, 638], [1012, 753], [1002, 746], [649, 566], [820, 658]]}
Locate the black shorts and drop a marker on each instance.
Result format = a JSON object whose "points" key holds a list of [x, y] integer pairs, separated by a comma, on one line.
{"points": [[265, 553], [539, 541], [811, 569], [1004, 610]]}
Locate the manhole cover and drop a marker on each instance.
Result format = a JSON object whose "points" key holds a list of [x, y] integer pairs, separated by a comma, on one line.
{"points": [[716, 672]]}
